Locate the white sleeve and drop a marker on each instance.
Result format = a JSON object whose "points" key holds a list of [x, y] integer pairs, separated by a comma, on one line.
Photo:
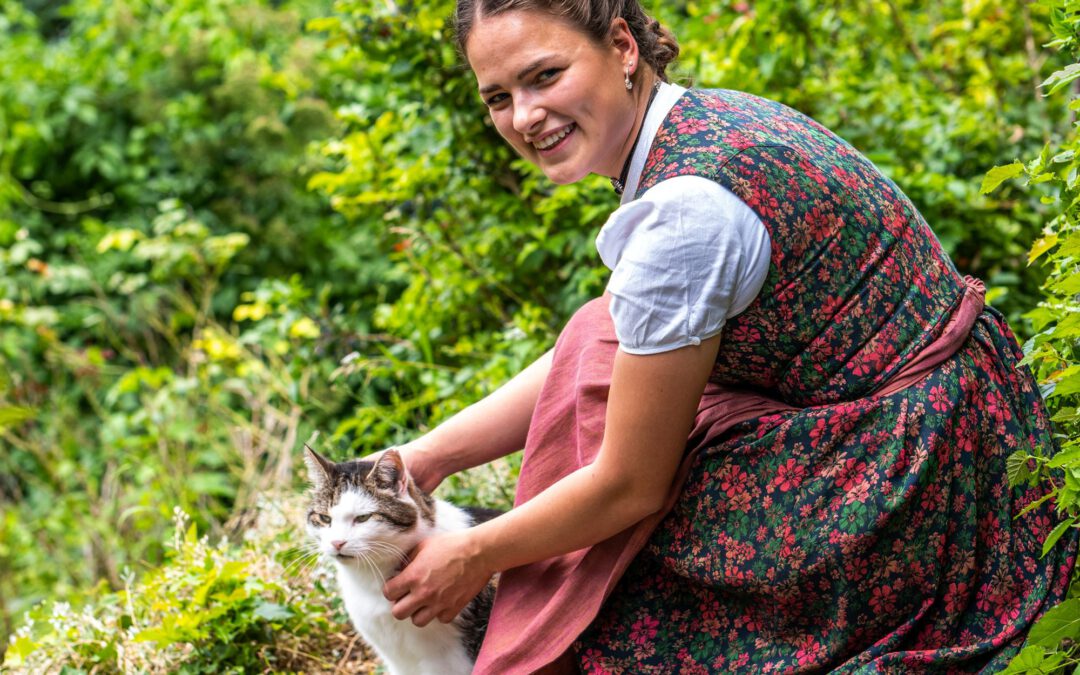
{"points": [[684, 257]]}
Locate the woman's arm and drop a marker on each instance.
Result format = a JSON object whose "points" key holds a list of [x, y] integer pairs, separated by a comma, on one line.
{"points": [[492, 427], [651, 407]]}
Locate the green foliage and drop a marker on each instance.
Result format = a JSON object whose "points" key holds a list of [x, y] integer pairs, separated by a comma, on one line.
{"points": [[208, 609], [152, 157], [1054, 351]]}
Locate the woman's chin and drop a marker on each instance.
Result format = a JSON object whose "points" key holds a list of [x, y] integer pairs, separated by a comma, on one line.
{"points": [[561, 175]]}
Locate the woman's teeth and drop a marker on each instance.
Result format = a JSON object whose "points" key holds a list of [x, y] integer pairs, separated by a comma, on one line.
{"points": [[548, 141]]}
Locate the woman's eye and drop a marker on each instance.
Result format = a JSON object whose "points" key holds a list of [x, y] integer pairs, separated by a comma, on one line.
{"points": [[320, 519], [360, 519], [495, 100], [545, 75]]}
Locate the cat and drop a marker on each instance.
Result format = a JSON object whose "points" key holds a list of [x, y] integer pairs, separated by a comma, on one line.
{"points": [[366, 516]]}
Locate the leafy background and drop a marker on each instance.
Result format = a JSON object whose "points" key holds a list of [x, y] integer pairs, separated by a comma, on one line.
{"points": [[232, 226]]}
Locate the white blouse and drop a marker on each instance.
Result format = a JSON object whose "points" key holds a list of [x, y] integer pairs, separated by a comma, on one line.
{"points": [[684, 257]]}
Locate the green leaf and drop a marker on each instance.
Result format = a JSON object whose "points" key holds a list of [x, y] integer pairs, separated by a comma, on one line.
{"points": [[233, 570], [1060, 622], [1034, 659], [20, 648], [1035, 504], [1064, 457], [1056, 534], [121, 240], [1061, 78], [12, 415], [999, 174], [272, 611], [1030, 659], [1070, 285], [1016, 467], [1068, 384], [1042, 245], [211, 483]]}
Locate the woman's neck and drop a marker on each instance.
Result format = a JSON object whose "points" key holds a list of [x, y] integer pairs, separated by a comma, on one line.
{"points": [[642, 94]]}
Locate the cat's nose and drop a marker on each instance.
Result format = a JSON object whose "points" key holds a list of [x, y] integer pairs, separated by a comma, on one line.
{"points": [[337, 544]]}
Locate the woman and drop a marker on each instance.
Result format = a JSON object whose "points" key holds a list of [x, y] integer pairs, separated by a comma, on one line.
{"points": [[786, 374]]}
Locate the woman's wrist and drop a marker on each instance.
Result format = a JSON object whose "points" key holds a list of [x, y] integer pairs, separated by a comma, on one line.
{"points": [[424, 463], [477, 545]]}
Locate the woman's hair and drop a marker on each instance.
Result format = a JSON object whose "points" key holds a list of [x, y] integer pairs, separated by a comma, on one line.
{"points": [[657, 44]]}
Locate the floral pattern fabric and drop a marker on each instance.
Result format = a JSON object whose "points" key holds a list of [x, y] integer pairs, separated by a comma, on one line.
{"points": [[862, 532]]}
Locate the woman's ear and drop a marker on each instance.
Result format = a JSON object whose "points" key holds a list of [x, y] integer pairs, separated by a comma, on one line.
{"points": [[622, 40]]}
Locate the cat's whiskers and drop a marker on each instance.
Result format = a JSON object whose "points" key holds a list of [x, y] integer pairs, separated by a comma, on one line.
{"points": [[366, 559], [386, 547], [304, 565], [301, 558], [375, 548]]}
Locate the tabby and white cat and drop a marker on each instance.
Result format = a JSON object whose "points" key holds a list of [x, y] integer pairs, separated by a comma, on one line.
{"points": [[365, 516]]}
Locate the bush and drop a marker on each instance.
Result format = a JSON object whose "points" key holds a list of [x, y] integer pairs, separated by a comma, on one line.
{"points": [[224, 608]]}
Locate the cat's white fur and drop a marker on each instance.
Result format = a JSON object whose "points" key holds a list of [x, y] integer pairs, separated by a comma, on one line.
{"points": [[435, 649]]}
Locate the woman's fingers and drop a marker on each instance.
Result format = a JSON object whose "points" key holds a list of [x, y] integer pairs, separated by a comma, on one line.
{"points": [[438, 582], [404, 608], [423, 617], [397, 587], [413, 607]]}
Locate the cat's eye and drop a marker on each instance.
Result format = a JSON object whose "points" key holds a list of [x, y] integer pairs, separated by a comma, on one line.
{"points": [[318, 519], [361, 519]]}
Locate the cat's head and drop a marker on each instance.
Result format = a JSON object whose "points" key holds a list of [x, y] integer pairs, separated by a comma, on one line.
{"points": [[362, 509]]}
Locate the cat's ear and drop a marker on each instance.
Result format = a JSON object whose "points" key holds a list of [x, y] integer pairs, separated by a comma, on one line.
{"points": [[389, 472], [319, 468]]}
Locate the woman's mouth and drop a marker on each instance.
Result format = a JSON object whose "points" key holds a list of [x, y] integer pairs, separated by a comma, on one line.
{"points": [[555, 140]]}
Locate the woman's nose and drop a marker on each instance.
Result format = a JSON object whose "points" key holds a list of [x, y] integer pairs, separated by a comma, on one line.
{"points": [[528, 116]]}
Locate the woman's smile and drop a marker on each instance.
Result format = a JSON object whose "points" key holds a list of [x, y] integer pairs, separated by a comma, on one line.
{"points": [[549, 143]]}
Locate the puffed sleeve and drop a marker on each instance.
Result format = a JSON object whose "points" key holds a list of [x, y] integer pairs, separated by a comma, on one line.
{"points": [[684, 257]]}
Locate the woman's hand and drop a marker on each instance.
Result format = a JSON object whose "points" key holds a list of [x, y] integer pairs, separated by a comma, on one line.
{"points": [[420, 464], [444, 573]]}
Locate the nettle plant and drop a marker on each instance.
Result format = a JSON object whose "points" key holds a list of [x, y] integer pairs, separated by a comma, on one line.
{"points": [[1054, 351]]}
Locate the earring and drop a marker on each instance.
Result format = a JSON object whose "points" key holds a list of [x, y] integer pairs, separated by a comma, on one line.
{"points": [[627, 82]]}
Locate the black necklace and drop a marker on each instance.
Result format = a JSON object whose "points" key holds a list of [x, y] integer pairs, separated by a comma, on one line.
{"points": [[619, 184]]}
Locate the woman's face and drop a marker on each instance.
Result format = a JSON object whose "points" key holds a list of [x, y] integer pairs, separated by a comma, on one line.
{"points": [[555, 95]]}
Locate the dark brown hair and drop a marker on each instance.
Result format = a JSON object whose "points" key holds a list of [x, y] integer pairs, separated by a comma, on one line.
{"points": [[657, 45]]}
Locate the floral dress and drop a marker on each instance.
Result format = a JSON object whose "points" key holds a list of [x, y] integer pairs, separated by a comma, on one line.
{"points": [[862, 529]]}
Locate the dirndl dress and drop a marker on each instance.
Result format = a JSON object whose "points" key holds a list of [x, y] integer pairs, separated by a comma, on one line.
{"points": [[844, 503]]}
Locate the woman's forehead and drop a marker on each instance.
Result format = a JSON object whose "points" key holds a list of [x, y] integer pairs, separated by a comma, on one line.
{"points": [[502, 46]]}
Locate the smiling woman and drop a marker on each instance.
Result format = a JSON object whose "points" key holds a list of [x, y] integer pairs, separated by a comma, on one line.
{"points": [[556, 95], [779, 440]]}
